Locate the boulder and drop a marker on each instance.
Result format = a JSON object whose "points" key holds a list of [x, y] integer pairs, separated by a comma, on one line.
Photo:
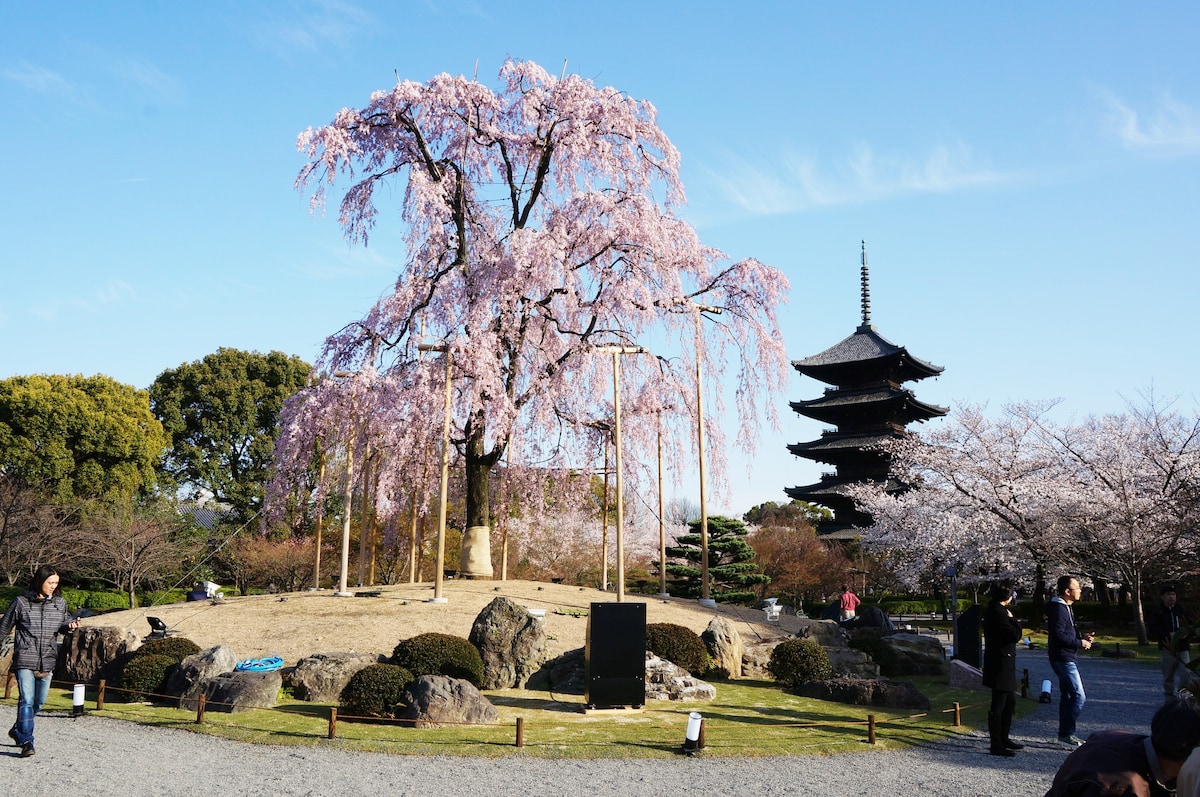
{"points": [[852, 662], [511, 642], [964, 676], [826, 633], [881, 692], [321, 677], [566, 673], [917, 654], [188, 679], [235, 692], [666, 681], [90, 654], [870, 616], [724, 645], [432, 701]]}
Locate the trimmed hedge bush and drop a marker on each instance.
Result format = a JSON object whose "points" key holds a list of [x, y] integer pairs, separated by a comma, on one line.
{"points": [[176, 648], [145, 677], [797, 661], [679, 645], [375, 691], [106, 601], [439, 654]]}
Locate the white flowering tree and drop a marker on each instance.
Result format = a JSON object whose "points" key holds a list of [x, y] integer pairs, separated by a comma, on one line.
{"points": [[539, 222], [1111, 496]]}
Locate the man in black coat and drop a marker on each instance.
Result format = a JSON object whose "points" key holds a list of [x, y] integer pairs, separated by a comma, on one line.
{"points": [[1164, 623], [1001, 632]]}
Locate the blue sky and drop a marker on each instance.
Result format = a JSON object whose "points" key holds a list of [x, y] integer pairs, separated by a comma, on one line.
{"points": [[1026, 177]]}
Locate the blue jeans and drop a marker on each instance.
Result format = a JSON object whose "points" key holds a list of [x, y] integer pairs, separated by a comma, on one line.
{"points": [[1070, 701], [32, 695]]}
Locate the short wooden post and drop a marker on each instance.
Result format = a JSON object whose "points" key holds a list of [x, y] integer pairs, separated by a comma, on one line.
{"points": [[1118, 645], [870, 729], [9, 680], [700, 741], [100, 695], [520, 731], [957, 715], [332, 722], [1025, 683], [200, 710]]}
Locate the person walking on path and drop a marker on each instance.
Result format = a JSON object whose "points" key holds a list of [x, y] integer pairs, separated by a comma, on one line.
{"points": [[1001, 632], [1165, 623], [38, 617], [848, 604], [1119, 762], [1063, 643]]}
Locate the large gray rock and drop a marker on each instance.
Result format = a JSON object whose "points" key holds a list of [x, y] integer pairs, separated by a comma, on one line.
{"points": [[724, 645], [90, 654], [511, 642], [917, 654], [566, 674], [964, 676], [852, 662], [321, 677], [667, 681], [188, 679], [826, 633], [235, 692], [881, 692], [432, 701]]}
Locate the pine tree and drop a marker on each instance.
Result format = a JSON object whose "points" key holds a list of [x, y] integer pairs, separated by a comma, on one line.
{"points": [[732, 570]]}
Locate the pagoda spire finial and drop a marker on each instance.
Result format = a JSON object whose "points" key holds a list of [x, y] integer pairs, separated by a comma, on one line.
{"points": [[865, 280]]}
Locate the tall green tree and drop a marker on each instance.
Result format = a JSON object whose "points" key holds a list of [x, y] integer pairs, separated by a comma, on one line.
{"points": [[732, 571], [79, 437], [222, 415]]}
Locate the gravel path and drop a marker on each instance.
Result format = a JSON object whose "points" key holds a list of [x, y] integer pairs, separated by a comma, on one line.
{"points": [[98, 757]]}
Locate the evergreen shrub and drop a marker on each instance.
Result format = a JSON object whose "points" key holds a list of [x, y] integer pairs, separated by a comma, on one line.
{"points": [[177, 648], [439, 654], [679, 645], [106, 601], [375, 691], [797, 661], [144, 677]]}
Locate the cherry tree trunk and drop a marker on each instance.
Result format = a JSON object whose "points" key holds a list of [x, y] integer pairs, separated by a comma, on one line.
{"points": [[476, 559]]}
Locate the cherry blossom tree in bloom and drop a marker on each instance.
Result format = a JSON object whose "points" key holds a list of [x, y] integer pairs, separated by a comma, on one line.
{"points": [[540, 222]]}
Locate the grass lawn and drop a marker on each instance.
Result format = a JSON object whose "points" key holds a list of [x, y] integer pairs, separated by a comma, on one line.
{"points": [[747, 718]]}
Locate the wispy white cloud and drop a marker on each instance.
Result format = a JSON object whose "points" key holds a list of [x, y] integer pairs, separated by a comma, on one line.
{"points": [[798, 182], [114, 292], [310, 26], [40, 80], [1169, 128], [150, 79]]}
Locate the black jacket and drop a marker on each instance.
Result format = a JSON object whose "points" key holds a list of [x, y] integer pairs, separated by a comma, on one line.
{"points": [[1163, 622], [1001, 633]]}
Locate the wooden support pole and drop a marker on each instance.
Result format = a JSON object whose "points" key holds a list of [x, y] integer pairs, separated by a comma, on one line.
{"points": [[200, 710], [870, 729], [700, 741], [520, 731], [957, 715], [9, 680], [1025, 683], [332, 722], [100, 695]]}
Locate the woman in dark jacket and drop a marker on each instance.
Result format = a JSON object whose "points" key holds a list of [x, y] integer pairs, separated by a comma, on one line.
{"points": [[38, 617], [1001, 632]]}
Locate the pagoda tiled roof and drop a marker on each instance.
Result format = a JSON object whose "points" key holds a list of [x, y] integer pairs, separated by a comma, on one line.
{"points": [[836, 405], [865, 350]]}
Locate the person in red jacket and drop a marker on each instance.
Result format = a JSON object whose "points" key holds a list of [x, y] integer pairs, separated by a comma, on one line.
{"points": [[848, 603], [38, 617]]}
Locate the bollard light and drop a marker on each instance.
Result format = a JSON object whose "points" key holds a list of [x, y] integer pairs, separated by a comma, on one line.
{"points": [[77, 700], [691, 738], [1045, 696]]}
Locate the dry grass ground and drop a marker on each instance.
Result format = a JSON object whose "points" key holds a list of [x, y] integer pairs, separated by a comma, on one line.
{"points": [[298, 624]]}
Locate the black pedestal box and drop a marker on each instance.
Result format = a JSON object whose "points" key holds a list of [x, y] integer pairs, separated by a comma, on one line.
{"points": [[615, 656]]}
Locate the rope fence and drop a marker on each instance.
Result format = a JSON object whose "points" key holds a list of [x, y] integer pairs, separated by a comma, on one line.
{"points": [[327, 720]]}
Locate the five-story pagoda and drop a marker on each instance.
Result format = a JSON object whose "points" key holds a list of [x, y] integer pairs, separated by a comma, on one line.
{"points": [[868, 405]]}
